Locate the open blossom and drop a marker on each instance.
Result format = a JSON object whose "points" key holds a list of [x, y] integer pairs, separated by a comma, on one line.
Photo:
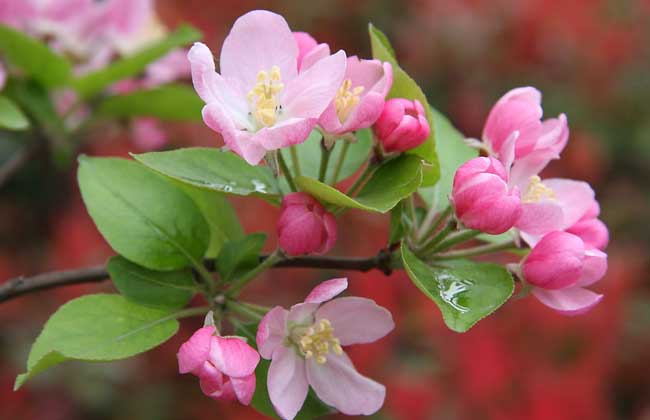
{"points": [[305, 227], [260, 102], [225, 365], [559, 267], [402, 125], [481, 197], [305, 345]]}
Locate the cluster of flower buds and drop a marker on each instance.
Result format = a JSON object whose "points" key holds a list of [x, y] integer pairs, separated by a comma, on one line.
{"points": [[306, 347], [558, 218]]}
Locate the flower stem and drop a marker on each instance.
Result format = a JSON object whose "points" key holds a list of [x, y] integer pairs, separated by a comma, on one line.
{"points": [[206, 276], [243, 310], [472, 252], [432, 221], [241, 282], [367, 173], [339, 163], [295, 160], [324, 161], [286, 172], [455, 239], [431, 245]]}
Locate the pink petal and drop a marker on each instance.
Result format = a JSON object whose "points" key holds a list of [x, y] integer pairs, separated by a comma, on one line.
{"points": [[311, 92], [540, 218], [271, 331], [555, 262], [3, 76], [233, 356], [285, 133], [575, 197], [331, 231], [316, 54], [592, 231], [287, 382], [327, 290], [214, 385], [573, 301], [594, 267], [302, 313], [244, 388], [194, 352], [356, 320], [337, 383], [258, 41], [303, 235]]}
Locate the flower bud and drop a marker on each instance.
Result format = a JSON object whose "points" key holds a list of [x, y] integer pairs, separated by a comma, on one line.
{"points": [[481, 197], [305, 227], [402, 125], [556, 261]]}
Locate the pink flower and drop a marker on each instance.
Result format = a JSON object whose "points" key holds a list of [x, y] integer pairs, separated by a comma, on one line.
{"points": [[590, 229], [360, 98], [259, 102], [481, 197], [305, 227], [402, 125], [514, 131], [224, 365], [169, 68], [15, 12], [305, 348], [148, 135], [309, 50], [559, 267]]}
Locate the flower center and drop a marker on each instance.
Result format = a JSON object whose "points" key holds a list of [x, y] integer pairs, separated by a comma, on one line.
{"points": [[536, 191], [316, 341], [346, 99], [264, 96]]}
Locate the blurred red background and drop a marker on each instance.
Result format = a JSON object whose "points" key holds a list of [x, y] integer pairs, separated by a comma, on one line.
{"points": [[590, 58]]}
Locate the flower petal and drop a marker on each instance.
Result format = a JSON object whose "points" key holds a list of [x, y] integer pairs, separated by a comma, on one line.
{"points": [[302, 313], [258, 41], [271, 331], [337, 383], [244, 388], [594, 267], [327, 290], [285, 133], [311, 92], [575, 197], [356, 320], [287, 382], [540, 218], [194, 352], [572, 301], [233, 356], [317, 53], [214, 385]]}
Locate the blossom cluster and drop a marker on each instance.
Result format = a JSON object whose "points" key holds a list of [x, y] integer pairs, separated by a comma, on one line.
{"points": [[557, 218]]}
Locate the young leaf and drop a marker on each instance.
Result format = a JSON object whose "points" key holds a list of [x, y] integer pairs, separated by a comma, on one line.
{"points": [[312, 408], [212, 169], [238, 257], [33, 57], [170, 102], [452, 152], [405, 87], [465, 292], [93, 83], [98, 328], [220, 215], [163, 289], [11, 117], [394, 180], [141, 215]]}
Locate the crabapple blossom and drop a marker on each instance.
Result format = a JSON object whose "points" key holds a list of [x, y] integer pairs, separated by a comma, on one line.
{"points": [[402, 125], [225, 365], [304, 226], [305, 345], [481, 197], [260, 102]]}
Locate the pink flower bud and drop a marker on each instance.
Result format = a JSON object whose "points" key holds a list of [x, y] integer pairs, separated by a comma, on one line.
{"points": [[305, 227], [402, 125], [224, 365], [481, 197], [556, 261], [590, 229]]}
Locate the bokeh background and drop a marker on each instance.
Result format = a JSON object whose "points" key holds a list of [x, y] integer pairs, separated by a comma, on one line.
{"points": [[590, 58]]}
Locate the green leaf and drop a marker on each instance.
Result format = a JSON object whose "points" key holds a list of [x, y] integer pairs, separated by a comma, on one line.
{"points": [[238, 257], [405, 87], [163, 289], [394, 180], [465, 292], [11, 117], [453, 152], [220, 215], [98, 328], [141, 215], [33, 57], [312, 408], [309, 155], [212, 169], [93, 83], [169, 102]]}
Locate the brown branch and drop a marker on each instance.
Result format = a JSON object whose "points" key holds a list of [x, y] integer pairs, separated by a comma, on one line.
{"points": [[23, 285]]}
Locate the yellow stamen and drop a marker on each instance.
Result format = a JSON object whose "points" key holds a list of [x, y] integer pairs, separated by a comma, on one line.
{"points": [[264, 96], [317, 340], [536, 191], [346, 99]]}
